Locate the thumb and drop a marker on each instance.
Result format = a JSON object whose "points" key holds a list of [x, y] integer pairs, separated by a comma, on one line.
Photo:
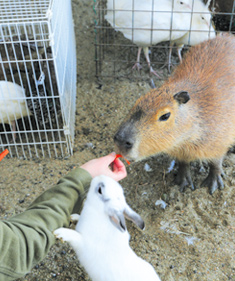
{"points": [[109, 158]]}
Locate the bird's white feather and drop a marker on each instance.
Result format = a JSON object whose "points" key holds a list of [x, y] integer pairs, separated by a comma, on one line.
{"points": [[149, 22], [201, 27], [13, 103]]}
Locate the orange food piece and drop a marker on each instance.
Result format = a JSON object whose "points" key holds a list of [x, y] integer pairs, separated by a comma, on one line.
{"points": [[3, 154], [120, 155]]}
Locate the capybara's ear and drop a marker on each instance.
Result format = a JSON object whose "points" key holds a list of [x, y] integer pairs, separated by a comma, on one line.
{"points": [[182, 97]]}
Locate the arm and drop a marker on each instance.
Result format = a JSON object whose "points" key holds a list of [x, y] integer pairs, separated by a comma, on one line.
{"points": [[25, 239]]}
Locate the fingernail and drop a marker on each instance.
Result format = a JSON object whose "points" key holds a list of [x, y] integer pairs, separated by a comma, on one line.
{"points": [[113, 153]]}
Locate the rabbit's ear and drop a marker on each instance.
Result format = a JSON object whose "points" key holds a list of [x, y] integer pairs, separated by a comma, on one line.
{"points": [[133, 216], [118, 220]]}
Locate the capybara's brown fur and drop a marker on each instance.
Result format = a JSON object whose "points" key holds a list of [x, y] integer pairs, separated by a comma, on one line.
{"points": [[191, 116]]}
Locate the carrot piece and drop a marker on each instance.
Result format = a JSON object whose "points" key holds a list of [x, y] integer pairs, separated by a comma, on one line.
{"points": [[3, 154], [120, 155]]}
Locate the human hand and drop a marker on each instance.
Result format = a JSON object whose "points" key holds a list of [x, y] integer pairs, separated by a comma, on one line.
{"points": [[101, 166]]}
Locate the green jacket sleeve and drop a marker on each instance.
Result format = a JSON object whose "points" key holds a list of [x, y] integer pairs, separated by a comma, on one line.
{"points": [[25, 239]]}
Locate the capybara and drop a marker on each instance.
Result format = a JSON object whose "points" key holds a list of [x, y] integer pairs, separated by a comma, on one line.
{"points": [[191, 116]]}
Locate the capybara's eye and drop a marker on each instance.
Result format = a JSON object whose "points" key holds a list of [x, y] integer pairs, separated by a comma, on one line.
{"points": [[165, 117]]}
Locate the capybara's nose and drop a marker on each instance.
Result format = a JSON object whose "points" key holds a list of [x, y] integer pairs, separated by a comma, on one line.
{"points": [[123, 141]]}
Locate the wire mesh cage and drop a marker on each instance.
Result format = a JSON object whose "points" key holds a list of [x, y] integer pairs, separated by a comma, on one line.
{"points": [[162, 29], [37, 78]]}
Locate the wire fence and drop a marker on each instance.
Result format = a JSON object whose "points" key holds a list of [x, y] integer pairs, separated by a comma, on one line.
{"points": [[163, 32], [37, 78]]}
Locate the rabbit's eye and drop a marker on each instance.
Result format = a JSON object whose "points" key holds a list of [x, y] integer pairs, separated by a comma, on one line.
{"points": [[99, 188]]}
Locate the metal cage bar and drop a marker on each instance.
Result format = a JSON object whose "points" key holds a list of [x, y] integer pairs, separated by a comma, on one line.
{"points": [[37, 78], [117, 25]]}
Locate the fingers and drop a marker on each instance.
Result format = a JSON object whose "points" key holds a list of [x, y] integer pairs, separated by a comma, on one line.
{"points": [[118, 170], [108, 159], [119, 175], [103, 164], [117, 165]]}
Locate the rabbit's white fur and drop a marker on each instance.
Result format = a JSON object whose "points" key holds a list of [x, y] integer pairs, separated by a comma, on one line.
{"points": [[101, 240]]}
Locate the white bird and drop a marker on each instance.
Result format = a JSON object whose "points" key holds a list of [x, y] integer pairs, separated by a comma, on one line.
{"points": [[13, 105], [201, 29], [149, 22], [101, 240]]}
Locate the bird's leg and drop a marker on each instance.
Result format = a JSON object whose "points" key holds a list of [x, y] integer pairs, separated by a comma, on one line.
{"points": [[169, 58], [13, 129], [152, 71], [179, 49], [214, 179], [137, 64], [183, 178]]}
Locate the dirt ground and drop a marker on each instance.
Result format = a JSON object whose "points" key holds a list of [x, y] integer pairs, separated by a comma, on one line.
{"points": [[191, 239]]}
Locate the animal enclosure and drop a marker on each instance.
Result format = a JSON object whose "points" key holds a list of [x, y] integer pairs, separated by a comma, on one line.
{"points": [[191, 239], [37, 78], [162, 30]]}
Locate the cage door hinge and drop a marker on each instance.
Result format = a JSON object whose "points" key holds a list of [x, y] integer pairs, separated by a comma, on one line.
{"points": [[66, 130]]}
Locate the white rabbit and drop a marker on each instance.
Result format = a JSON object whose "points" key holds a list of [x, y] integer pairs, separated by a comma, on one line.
{"points": [[101, 240]]}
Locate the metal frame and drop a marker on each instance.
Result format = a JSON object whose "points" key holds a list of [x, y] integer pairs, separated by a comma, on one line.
{"points": [[37, 48], [115, 55]]}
